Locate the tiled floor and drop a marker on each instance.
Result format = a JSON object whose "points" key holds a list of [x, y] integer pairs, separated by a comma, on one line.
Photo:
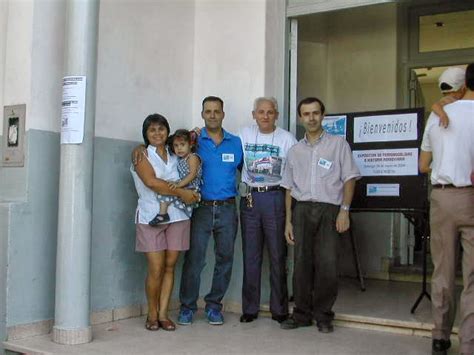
{"points": [[383, 299], [389, 300], [260, 337]]}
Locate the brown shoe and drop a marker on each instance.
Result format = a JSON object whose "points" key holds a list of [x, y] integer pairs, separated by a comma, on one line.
{"points": [[167, 325], [152, 325]]}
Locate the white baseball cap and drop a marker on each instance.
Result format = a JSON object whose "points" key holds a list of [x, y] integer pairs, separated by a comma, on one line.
{"points": [[455, 77]]}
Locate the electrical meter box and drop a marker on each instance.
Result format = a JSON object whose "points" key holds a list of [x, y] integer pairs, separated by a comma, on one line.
{"points": [[13, 140]]}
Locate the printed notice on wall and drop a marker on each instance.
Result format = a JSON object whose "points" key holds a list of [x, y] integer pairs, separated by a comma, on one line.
{"points": [[335, 125], [385, 128], [387, 162], [383, 189], [73, 109]]}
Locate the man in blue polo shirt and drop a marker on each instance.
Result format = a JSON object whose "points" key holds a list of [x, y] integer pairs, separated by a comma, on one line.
{"points": [[221, 156]]}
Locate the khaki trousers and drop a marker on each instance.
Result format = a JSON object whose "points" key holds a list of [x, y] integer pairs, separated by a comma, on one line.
{"points": [[452, 222]]}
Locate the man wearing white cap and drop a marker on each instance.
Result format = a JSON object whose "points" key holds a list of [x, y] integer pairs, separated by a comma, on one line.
{"points": [[451, 84], [449, 155]]}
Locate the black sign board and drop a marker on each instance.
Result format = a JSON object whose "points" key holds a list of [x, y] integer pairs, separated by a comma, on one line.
{"points": [[385, 145]]}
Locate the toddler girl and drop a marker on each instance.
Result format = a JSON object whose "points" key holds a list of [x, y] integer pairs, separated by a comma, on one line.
{"points": [[190, 172]]}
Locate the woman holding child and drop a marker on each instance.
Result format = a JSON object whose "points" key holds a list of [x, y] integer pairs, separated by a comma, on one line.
{"points": [[161, 240]]}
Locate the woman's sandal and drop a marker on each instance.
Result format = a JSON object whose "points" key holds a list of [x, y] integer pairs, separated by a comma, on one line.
{"points": [[167, 324], [152, 325]]}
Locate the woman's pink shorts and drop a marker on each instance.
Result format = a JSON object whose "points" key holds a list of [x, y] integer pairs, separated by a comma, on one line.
{"points": [[172, 236]]}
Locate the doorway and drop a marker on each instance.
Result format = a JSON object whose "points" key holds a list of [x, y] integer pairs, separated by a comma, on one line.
{"points": [[439, 36], [371, 58]]}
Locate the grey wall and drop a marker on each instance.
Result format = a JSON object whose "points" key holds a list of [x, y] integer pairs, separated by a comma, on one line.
{"points": [[32, 234], [117, 271], [4, 210], [14, 182]]}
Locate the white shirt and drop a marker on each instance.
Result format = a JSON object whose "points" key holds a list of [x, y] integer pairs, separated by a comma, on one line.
{"points": [[264, 155], [148, 205], [453, 147]]}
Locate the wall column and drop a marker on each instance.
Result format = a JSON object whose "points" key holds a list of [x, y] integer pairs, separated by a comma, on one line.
{"points": [[72, 308]]}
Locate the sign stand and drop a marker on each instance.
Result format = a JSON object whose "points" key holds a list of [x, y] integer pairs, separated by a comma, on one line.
{"points": [[385, 145], [424, 240]]}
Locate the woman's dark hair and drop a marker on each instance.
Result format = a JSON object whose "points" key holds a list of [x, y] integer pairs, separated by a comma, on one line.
{"points": [[188, 136], [151, 119], [310, 100]]}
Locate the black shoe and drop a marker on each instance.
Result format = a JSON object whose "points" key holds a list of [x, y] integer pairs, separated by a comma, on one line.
{"points": [[440, 346], [247, 317], [159, 219], [325, 326], [291, 323], [280, 318]]}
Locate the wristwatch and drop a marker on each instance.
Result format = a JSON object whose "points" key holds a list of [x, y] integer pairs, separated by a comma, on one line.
{"points": [[345, 207]]}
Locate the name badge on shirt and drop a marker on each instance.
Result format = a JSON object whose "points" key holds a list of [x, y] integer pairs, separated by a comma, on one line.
{"points": [[323, 163], [228, 158]]}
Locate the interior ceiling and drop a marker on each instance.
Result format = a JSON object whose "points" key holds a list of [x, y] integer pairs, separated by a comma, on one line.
{"points": [[452, 30]]}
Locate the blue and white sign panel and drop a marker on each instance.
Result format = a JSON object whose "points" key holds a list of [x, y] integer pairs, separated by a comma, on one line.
{"points": [[383, 189], [336, 125]]}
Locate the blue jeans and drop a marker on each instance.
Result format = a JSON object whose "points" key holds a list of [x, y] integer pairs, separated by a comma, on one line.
{"points": [[221, 223]]}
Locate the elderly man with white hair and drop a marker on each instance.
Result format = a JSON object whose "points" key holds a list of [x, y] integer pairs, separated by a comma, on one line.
{"points": [[262, 209]]}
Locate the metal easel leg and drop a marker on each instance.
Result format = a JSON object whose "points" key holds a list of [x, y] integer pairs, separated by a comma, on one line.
{"points": [[424, 291]]}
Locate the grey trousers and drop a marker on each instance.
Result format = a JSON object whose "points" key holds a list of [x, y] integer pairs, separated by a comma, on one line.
{"points": [[452, 222]]}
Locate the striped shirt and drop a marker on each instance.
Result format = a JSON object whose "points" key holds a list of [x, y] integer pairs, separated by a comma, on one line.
{"points": [[317, 172]]}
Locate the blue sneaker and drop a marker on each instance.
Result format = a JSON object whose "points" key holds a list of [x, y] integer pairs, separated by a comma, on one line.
{"points": [[215, 317], [185, 317]]}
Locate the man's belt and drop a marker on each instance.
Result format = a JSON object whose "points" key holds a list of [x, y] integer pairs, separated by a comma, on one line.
{"points": [[229, 201], [450, 186], [266, 188]]}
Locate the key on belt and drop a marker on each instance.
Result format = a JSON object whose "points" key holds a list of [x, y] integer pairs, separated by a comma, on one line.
{"points": [[249, 200]]}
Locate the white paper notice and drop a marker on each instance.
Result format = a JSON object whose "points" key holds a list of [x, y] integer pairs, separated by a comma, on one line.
{"points": [[73, 109], [385, 128], [335, 125], [387, 162], [383, 189]]}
